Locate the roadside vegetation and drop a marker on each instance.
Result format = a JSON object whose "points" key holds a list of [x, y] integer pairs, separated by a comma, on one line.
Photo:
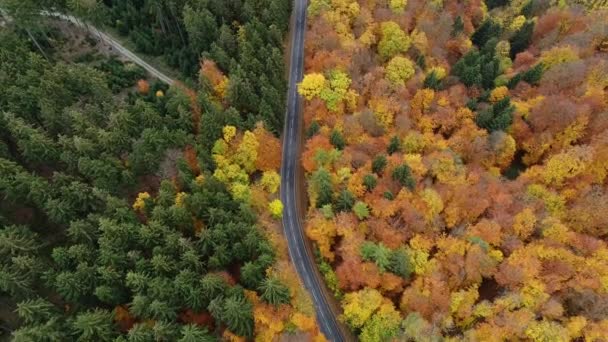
{"points": [[132, 211]]}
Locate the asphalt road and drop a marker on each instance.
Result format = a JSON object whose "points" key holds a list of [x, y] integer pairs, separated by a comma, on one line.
{"points": [[299, 252], [116, 46]]}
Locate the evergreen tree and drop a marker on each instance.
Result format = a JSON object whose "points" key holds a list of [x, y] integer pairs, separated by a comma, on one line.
{"points": [[370, 182], [337, 140], [403, 175], [237, 314], [497, 117], [394, 145], [486, 31], [345, 201], [378, 164], [96, 325], [274, 292], [321, 182], [193, 333], [522, 38], [400, 263]]}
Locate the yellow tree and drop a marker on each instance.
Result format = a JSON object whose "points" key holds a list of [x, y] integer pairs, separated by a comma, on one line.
{"points": [[394, 41], [311, 85], [360, 306], [399, 70]]}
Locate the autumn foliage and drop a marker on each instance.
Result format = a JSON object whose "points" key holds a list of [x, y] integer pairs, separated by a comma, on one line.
{"points": [[457, 165]]}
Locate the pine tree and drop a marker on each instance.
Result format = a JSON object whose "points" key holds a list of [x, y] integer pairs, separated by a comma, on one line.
{"points": [[431, 81], [378, 164], [394, 145], [403, 175], [337, 140], [274, 292], [345, 201], [400, 263], [96, 325], [488, 30], [193, 333], [321, 182], [522, 38], [370, 182], [238, 315], [497, 117], [35, 311]]}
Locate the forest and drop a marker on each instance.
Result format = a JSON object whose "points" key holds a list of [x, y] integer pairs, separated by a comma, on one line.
{"points": [[135, 211], [456, 162]]}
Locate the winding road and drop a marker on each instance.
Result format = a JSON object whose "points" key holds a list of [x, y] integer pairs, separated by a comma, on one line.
{"points": [[291, 172], [299, 249], [116, 45]]}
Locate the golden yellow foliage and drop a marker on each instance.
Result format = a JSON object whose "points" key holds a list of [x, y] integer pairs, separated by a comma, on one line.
{"points": [[566, 165], [558, 55], [524, 222], [140, 203], [276, 209], [229, 133], [311, 85], [499, 93], [271, 181]]}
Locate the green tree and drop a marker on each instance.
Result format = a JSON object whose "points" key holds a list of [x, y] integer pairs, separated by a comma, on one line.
{"points": [[274, 292], [345, 201], [522, 38], [361, 210], [322, 185], [238, 315], [370, 181], [337, 140], [96, 325], [400, 263], [193, 333], [403, 175], [394, 145], [497, 117], [486, 31], [378, 164]]}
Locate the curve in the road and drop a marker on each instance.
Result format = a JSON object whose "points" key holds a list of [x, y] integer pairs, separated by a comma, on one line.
{"points": [[299, 252], [123, 51]]}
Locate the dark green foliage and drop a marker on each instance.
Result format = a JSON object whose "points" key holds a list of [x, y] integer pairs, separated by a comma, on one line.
{"points": [[313, 129], [337, 140], [74, 156], [378, 253], [532, 76], [345, 201], [237, 313], [486, 31], [94, 325], [468, 69], [193, 333], [497, 117], [431, 81], [400, 263], [321, 182], [388, 195], [274, 292], [370, 182], [378, 164], [496, 3], [403, 175], [522, 38], [458, 26], [394, 145]]}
